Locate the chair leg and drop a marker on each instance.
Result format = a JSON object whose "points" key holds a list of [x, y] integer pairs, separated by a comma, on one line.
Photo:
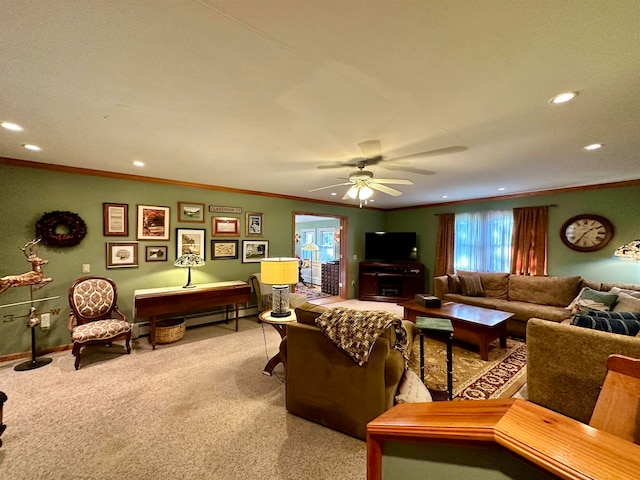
{"points": [[128, 342], [76, 353]]}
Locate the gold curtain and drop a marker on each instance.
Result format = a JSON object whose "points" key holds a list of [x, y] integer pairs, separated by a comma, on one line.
{"points": [[444, 245], [529, 241]]}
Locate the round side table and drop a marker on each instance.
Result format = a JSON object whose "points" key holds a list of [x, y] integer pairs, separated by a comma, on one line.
{"points": [[280, 324]]}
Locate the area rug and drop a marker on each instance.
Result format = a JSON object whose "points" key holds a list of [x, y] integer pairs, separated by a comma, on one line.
{"points": [[311, 293], [473, 378]]}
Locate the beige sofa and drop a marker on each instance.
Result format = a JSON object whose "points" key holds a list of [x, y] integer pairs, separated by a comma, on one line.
{"points": [[524, 296], [566, 365]]}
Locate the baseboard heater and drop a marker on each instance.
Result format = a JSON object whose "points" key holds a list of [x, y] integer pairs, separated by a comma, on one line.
{"points": [[141, 329]]}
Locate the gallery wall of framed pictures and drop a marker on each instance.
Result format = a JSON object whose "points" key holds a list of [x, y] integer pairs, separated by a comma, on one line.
{"points": [[153, 224]]}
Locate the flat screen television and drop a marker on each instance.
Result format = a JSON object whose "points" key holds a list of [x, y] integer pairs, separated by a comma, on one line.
{"points": [[391, 246]]}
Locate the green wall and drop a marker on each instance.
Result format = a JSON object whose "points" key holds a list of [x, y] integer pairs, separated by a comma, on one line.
{"points": [[621, 205], [28, 193]]}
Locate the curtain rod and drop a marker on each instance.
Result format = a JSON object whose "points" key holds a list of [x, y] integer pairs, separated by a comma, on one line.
{"points": [[533, 206]]}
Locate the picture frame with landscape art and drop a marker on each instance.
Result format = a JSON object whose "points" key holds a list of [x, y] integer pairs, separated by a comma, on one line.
{"points": [[224, 249], [115, 219], [225, 227], [122, 254], [191, 212], [254, 250], [153, 222], [254, 224], [156, 253], [190, 240]]}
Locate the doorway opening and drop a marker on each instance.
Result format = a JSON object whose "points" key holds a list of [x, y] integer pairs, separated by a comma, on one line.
{"points": [[320, 245]]}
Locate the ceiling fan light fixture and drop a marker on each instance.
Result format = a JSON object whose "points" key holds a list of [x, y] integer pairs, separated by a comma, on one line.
{"points": [[353, 192], [365, 192]]}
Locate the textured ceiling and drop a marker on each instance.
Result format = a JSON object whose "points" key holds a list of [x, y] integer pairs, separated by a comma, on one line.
{"points": [[256, 94]]}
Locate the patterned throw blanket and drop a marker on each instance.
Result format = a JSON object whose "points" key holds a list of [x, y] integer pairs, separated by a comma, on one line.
{"points": [[355, 331]]}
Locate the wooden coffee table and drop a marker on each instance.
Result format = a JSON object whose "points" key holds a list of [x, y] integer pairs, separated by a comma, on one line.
{"points": [[475, 325]]}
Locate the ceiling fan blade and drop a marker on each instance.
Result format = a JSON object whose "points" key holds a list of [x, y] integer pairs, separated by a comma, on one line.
{"points": [[370, 148], [384, 189], [394, 181], [330, 186], [353, 164], [418, 171], [430, 153]]}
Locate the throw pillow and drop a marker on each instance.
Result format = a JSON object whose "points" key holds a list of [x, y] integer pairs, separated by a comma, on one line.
{"points": [[589, 299], [411, 389], [623, 323], [454, 283], [626, 303], [471, 286]]}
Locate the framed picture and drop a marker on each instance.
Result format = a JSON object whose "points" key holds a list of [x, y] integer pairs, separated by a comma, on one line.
{"points": [[190, 212], [122, 254], [190, 241], [254, 224], [254, 250], [153, 222], [225, 227], [224, 249], [157, 253], [115, 219]]}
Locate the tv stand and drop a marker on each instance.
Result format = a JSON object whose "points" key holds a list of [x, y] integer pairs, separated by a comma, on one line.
{"points": [[390, 281]]}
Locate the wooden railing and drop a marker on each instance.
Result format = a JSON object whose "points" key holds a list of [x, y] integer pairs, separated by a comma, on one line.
{"points": [[539, 438]]}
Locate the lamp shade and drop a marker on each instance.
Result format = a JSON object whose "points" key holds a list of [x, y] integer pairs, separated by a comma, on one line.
{"points": [[279, 271], [189, 260], [629, 250], [311, 247]]}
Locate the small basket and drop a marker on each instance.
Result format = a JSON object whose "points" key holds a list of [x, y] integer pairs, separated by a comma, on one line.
{"points": [[169, 331]]}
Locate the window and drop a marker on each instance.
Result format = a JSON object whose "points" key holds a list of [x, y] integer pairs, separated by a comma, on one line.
{"points": [[308, 237], [483, 241], [326, 242]]}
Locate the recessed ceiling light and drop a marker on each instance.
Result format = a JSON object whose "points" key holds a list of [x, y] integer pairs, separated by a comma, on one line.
{"points": [[501, 189], [563, 97], [593, 146], [138, 163], [11, 126], [333, 193], [34, 148], [445, 196]]}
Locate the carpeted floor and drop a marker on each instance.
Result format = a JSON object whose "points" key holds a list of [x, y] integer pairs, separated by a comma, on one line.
{"points": [[199, 408]]}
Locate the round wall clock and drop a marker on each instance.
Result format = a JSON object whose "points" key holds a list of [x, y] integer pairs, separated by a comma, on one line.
{"points": [[586, 233]]}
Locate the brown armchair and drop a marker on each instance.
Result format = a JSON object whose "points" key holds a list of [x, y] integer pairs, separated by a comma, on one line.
{"points": [[95, 318], [326, 386]]}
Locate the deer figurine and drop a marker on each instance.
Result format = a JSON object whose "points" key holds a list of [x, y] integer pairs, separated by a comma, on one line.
{"points": [[34, 277]]}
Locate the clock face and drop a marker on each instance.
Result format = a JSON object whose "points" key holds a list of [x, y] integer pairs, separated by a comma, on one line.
{"points": [[586, 233]]}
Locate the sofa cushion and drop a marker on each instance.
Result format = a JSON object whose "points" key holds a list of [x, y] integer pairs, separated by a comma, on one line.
{"points": [[554, 291], [471, 286], [453, 283], [623, 323], [523, 311], [495, 285], [590, 299]]}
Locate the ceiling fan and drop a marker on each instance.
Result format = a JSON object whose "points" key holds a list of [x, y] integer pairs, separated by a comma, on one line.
{"points": [[362, 181]]}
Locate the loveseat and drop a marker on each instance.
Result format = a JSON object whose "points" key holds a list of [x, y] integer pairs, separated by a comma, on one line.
{"points": [[524, 296], [326, 386], [567, 364]]}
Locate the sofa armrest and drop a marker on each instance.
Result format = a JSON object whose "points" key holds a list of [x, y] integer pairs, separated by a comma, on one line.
{"points": [[441, 286], [325, 385], [566, 365]]}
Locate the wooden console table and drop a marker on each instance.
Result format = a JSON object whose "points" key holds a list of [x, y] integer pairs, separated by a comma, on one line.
{"points": [[156, 302]]}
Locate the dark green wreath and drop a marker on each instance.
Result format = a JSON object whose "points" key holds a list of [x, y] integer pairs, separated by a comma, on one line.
{"points": [[47, 229]]}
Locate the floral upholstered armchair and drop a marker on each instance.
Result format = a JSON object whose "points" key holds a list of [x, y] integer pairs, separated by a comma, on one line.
{"points": [[95, 317]]}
